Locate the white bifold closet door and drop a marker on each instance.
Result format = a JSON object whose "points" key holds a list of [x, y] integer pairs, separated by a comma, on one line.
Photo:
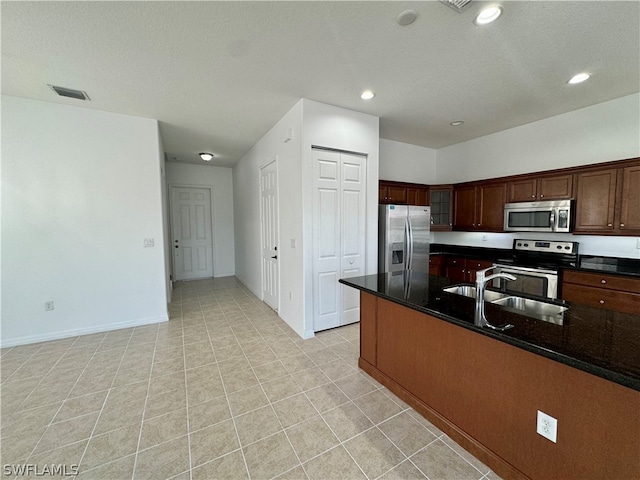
{"points": [[339, 187]]}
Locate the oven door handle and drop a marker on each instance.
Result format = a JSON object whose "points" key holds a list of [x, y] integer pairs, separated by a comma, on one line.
{"points": [[553, 221], [538, 272]]}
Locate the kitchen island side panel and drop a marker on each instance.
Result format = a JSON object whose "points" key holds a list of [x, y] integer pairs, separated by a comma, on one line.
{"points": [[492, 391]]}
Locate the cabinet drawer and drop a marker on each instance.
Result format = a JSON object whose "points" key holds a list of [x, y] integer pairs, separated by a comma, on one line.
{"points": [[613, 282], [602, 298]]}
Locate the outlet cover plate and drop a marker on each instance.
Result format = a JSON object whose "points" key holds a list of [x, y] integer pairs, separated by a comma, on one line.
{"points": [[547, 426]]}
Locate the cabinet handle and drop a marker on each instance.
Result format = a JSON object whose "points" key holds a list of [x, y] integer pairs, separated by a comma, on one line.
{"points": [[603, 281], [533, 196], [622, 225], [601, 302], [609, 225], [541, 196]]}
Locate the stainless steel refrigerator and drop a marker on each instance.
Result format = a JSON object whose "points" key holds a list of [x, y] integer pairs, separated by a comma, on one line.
{"points": [[403, 238]]}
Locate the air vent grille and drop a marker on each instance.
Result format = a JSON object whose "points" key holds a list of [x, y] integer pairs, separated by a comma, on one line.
{"points": [[68, 92], [458, 5]]}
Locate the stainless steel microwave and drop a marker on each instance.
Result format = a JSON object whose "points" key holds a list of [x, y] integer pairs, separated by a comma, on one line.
{"points": [[547, 216]]}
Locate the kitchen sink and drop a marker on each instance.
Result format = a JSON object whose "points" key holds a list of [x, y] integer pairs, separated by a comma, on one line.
{"points": [[549, 312], [470, 291]]}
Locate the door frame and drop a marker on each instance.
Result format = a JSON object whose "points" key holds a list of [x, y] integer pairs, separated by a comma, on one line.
{"points": [[273, 160], [171, 186]]}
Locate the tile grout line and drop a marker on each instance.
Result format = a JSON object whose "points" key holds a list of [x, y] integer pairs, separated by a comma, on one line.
{"points": [[91, 436], [144, 408], [62, 403]]}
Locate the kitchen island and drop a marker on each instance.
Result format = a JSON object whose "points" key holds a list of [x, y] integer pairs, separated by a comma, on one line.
{"points": [[484, 388]]}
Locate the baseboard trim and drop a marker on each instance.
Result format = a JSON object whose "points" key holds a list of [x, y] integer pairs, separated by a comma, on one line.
{"points": [[75, 332]]}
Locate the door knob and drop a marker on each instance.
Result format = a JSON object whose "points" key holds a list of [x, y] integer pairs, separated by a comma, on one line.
{"points": [[275, 256]]}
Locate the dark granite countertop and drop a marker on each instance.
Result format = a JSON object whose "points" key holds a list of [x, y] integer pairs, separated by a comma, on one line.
{"points": [[600, 342]]}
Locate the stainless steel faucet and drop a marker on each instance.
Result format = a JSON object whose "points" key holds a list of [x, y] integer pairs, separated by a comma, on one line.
{"points": [[481, 280]]}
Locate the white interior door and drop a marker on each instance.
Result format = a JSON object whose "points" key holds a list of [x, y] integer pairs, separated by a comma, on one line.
{"points": [[191, 241], [269, 234], [339, 235]]}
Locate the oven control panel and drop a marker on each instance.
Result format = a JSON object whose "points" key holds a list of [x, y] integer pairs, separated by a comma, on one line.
{"points": [[546, 246]]}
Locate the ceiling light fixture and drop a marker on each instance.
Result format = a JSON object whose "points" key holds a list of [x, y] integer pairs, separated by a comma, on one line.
{"points": [[579, 78], [488, 15], [367, 95], [206, 156], [456, 123], [407, 17]]}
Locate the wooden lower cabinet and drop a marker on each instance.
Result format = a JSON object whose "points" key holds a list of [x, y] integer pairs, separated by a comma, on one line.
{"points": [[610, 292], [485, 394], [463, 270]]}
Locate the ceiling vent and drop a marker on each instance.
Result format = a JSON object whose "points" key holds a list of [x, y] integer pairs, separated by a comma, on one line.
{"points": [[458, 5], [68, 92]]}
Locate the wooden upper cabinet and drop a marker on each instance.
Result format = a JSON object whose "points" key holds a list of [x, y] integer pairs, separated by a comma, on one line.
{"points": [[630, 199], [479, 207], [464, 208], [596, 200], [441, 202], [399, 193], [490, 207], [605, 197], [417, 196], [536, 188]]}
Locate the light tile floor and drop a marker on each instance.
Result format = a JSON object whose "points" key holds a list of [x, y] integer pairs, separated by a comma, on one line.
{"points": [[226, 390]]}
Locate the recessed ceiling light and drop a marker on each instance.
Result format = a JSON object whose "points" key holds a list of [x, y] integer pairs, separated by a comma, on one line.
{"points": [[488, 15], [579, 78], [456, 123], [367, 95], [206, 156], [407, 17]]}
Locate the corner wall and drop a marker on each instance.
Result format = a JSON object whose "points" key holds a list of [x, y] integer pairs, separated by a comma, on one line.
{"points": [[81, 190]]}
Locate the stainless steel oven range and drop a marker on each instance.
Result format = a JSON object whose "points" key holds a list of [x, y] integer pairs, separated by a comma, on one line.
{"points": [[535, 264]]}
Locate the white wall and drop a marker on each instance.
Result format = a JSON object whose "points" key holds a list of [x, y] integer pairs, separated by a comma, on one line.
{"points": [[403, 162], [246, 195], [221, 183], [81, 190], [599, 133]]}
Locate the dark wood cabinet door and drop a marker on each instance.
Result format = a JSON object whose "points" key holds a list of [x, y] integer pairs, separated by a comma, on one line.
{"points": [[464, 210], [416, 196], [490, 207], [383, 194], [473, 266], [441, 202], [524, 190], [555, 188], [456, 269], [397, 195], [595, 201], [630, 204], [625, 344]]}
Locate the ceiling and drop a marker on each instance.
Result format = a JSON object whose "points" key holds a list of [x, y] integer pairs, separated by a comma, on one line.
{"points": [[219, 75]]}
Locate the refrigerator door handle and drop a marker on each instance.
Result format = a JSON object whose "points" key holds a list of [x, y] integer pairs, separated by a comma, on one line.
{"points": [[410, 244]]}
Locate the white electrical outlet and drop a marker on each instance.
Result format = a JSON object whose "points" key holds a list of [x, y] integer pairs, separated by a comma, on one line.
{"points": [[484, 237], [638, 244], [148, 242], [48, 305], [547, 426]]}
